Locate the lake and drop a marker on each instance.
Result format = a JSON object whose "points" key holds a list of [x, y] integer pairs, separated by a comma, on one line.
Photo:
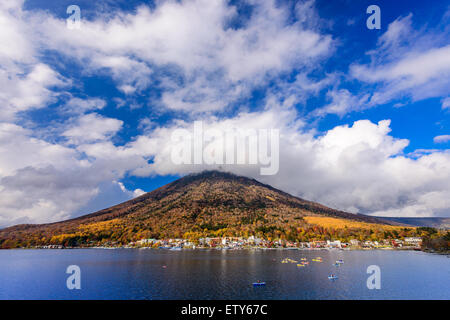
{"points": [[221, 274]]}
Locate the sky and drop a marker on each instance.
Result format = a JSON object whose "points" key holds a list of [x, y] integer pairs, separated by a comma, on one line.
{"points": [[88, 114]]}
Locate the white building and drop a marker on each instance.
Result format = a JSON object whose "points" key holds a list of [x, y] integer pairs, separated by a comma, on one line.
{"points": [[334, 244], [413, 240]]}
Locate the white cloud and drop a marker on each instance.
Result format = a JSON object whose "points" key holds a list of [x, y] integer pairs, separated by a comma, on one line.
{"points": [[301, 89], [130, 75], [435, 203], [135, 193], [407, 63], [441, 139], [81, 106], [92, 127], [446, 103], [25, 82], [21, 93], [14, 41], [19, 150], [414, 69], [198, 59], [44, 182], [33, 195], [39, 181], [190, 49], [342, 102], [398, 32]]}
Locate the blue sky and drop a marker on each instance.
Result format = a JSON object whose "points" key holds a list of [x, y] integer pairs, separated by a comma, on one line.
{"points": [[88, 113]]}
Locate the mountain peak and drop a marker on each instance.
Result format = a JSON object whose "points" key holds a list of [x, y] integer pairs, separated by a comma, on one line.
{"points": [[214, 176]]}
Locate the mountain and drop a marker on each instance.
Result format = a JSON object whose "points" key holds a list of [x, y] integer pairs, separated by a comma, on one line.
{"points": [[210, 203], [438, 223]]}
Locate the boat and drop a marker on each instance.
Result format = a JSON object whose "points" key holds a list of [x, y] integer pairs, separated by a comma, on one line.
{"points": [[287, 260], [340, 261], [259, 284], [301, 265], [317, 260], [332, 277], [175, 249], [336, 264]]}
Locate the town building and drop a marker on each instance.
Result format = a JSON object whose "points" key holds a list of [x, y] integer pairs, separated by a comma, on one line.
{"points": [[417, 241]]}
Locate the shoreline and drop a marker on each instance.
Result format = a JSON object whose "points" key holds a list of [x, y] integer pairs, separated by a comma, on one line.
{"points": [[229, 249], [446, 253]]}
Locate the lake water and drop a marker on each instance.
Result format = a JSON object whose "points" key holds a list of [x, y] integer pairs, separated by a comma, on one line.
{"points": [[216, 274]]}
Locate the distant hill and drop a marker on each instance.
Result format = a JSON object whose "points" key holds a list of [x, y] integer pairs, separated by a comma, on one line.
{"points": [[438, 223], [210, 203]]}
